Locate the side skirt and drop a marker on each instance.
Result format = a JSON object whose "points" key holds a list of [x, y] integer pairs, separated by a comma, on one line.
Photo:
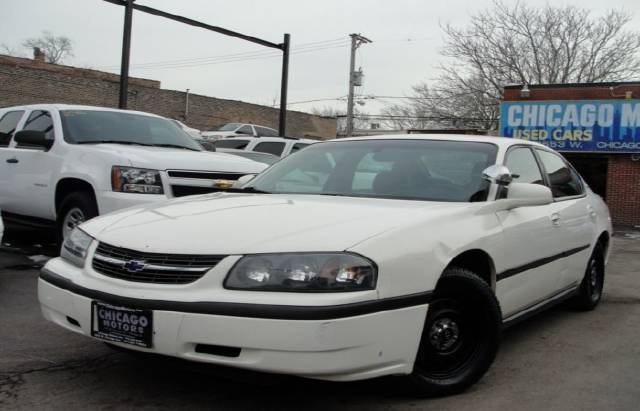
{"points": [[537, 307], [19, 220]]}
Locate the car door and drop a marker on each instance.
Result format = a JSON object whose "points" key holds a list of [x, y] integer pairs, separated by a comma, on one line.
{"points": [[573, 215], [529, 274], [33, 172], [9, 122]]}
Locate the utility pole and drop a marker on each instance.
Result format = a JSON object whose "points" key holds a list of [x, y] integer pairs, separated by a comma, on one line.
{"points": [[356, 41], [126, 51]]}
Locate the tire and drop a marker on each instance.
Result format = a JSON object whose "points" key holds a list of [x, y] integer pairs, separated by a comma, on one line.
{"points": [[75, 208], [461, 335], [590, 291]]}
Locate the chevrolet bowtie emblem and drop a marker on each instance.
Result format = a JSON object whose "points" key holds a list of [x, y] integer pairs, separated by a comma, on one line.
{"points": [[223, 184]]}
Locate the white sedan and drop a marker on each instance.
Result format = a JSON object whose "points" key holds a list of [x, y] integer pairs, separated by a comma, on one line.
{"points": [[352, 259]]}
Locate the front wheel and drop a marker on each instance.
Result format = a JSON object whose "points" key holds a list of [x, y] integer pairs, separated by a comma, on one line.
{"points": [[75, 209], [460, 337]]}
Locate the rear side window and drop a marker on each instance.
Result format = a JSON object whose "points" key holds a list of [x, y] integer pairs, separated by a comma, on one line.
{"points": [[564, 181], [298, 147], [266, 132], [521, 162], [245, 130], [239, 144], [8, 124], [270, 147]]}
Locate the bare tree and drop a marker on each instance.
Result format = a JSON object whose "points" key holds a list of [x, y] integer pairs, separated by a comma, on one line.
{"points": [[515, 43], [55, 48], [10, 51]]}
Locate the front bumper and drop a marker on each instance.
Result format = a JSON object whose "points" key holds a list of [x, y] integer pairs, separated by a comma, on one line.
{"points": [[363, 340]]}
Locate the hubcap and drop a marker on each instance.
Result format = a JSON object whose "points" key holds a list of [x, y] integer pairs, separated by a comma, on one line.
{"points": [[444, 334], [74, 217]]}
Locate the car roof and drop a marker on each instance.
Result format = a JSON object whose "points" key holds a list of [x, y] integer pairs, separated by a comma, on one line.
{"points": [[502, 142], [75, 107]]}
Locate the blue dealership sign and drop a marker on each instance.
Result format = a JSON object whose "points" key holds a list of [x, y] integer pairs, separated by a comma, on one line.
{"points": [[610, 126]]}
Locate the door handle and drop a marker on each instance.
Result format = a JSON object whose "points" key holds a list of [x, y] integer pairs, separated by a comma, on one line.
{"points": [[12, 160], [555, 218]]}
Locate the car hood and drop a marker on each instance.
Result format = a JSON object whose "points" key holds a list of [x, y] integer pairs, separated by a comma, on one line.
{"points": [[162, 158], [239, 223]]}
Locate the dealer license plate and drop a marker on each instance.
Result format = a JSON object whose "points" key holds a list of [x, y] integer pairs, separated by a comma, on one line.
{"points": [[122, 325]]}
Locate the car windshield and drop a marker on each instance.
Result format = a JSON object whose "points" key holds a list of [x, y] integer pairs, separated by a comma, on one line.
{"points": [[94, 127], [399, 169], [229, 127]]}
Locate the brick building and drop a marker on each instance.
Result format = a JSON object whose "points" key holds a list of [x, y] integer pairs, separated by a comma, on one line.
{"points": [[596, 127], [26, 81]]}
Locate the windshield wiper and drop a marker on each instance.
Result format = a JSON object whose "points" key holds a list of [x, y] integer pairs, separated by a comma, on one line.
{"points": [[246, 190], [112, 142], [174, 146]]}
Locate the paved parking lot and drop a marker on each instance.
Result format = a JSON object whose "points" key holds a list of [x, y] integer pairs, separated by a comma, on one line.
{"points": [[558, 360]]}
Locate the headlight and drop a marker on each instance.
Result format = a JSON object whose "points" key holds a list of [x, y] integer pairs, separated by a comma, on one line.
{"points": [[302, 272], [75, 246], [136, 180]]}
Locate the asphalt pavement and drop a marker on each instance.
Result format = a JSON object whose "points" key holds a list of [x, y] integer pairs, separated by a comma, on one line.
{"points": [[558, 360]]}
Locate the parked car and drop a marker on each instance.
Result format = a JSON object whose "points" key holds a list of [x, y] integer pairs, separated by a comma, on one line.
{"points": [[337, 276], [278, 146], [265, 158], [236, 129], [61, 165], [193, 132]]}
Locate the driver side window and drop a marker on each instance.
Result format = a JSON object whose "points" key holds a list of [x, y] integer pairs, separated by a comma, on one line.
{"points": [[521, 162]]}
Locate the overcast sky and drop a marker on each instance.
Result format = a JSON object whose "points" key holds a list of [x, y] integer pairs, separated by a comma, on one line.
{"points": [[406, 41]]}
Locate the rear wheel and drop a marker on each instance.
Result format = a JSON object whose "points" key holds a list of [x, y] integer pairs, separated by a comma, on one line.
{"points": [[590, 291], [460, 337], [74, 209]]}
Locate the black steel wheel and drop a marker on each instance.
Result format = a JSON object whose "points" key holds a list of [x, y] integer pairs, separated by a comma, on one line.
{"points": [[590, 292], [461, 335]]}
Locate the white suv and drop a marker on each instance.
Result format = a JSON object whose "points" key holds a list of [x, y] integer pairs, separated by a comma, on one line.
{"points": [[278, 146], [62, 164], [239, 129]]}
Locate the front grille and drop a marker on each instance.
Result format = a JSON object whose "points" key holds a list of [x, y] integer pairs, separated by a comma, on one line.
{"points": [[204, 175], [181, 191], [144, 267]]}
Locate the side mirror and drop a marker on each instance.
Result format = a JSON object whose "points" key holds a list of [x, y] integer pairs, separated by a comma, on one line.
{"points": [[523, 195], [33, 138], [498, 174], [243, 180]]}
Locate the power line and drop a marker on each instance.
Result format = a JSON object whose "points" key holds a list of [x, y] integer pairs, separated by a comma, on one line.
{"points": [[178, 62], [234, 60]]}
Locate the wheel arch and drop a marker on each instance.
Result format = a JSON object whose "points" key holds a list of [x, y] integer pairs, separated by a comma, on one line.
{"points": [[604, 238], [70, 185], [477, 261]]}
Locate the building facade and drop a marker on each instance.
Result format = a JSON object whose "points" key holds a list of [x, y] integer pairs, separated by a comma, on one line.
{"points": [[595, 126], [27, 81]]}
